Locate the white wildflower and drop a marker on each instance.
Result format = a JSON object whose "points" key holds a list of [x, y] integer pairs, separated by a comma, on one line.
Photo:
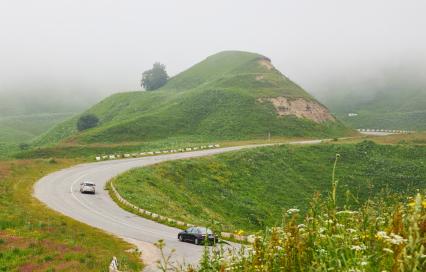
{"points": [[388, 250], [359, 248], [346, 212], [396, 239], [382, 235], [292, 211]]}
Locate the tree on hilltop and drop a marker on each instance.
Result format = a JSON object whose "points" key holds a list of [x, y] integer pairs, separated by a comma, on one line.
{"points": [[154, 78]]}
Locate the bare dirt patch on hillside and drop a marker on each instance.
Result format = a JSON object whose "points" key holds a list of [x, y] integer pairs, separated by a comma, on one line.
{"points": [[265, 62], [300, 108]]}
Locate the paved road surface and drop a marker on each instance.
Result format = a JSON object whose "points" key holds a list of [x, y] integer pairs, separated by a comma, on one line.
{"points": [[60, 191]]}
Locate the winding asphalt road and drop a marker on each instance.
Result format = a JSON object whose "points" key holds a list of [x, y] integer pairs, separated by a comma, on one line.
{"points": [[60, 192]]}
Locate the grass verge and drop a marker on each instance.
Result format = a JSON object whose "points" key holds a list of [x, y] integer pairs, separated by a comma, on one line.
{"points": [[35, 238]]}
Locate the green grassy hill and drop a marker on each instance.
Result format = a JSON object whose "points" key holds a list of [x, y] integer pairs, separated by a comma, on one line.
{"points": [[24, 128], [390, 110], [397, 100], [229, 95], [250, 189]]}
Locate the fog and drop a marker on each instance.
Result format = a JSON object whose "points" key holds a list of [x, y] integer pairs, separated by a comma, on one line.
{"points": [[81, 51]]}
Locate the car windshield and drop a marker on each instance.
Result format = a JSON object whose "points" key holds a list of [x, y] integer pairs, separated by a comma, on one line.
{"points": [[89, 184], [205, 231]]}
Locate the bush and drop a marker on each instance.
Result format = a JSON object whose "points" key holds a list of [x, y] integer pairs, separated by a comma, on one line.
{"points": [[24, 146], [51, 161], [87, 121], [154, 78]]}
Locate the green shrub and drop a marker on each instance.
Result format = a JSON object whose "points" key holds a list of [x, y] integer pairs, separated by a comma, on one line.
{"points": [[87, 121]]}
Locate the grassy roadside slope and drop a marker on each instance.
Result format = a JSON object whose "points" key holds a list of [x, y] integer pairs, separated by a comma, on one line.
{"points": [[249, 189], [34, 238]]}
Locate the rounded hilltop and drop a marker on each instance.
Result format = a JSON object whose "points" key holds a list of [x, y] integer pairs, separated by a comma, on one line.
{"points": [[229, 95]]}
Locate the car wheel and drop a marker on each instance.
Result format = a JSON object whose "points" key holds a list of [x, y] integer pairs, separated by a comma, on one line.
{"points": [[196, 241], [180, 238]]}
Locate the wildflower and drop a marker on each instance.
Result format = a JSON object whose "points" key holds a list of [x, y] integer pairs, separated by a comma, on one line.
{"points": [[346, 212], [388, 250], [240, 232], [382, 235], [363, 263], [359, 248], [351, 230], [292, 211], [301, 226], [396, 239]]}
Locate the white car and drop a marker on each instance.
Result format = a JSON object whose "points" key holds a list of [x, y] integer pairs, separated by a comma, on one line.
{"points": [[87, 187]]}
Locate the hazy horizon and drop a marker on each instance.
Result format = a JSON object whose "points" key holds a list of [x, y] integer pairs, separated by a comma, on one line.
{"points": [[84, 50]]}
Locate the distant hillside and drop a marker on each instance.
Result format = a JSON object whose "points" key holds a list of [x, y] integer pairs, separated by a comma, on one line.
{"points": [[24, 128], [29, 112], [396, 100], [230, 95]]}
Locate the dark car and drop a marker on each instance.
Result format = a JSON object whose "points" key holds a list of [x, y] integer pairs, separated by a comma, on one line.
{"points": [[198, 235]]}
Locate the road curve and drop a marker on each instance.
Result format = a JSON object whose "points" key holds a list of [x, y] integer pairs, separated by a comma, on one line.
{"points": [[60, 192]]}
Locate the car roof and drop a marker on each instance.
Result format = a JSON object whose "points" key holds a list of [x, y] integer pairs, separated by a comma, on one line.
{"points": [[202, 228], [88, 182]]}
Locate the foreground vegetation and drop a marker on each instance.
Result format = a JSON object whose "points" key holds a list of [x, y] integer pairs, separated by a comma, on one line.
{"points": [[248, 189], [375, 237], [34, 238]]}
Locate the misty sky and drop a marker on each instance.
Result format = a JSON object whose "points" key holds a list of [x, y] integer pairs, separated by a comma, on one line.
{"points": [[100, 46]]}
